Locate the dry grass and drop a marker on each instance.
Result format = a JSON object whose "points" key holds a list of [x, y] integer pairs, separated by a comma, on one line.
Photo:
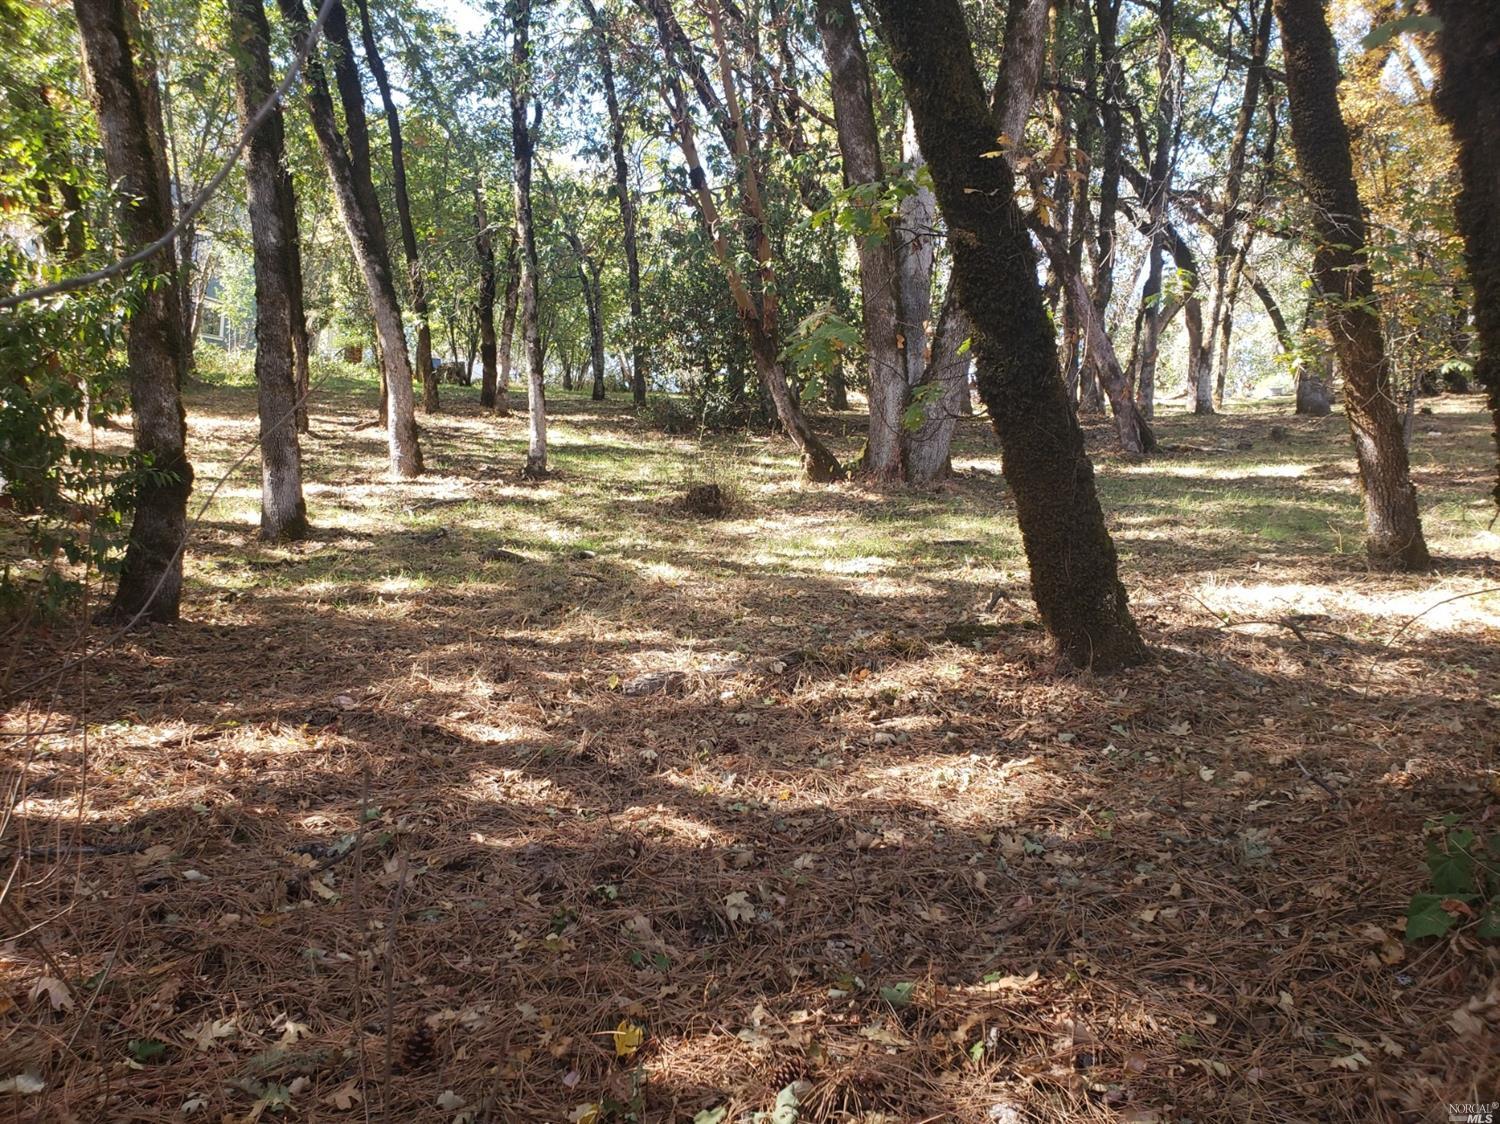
{"points": [[375, 784]]}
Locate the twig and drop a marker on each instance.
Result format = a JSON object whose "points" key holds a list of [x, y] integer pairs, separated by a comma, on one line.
{"points": [[1380, 655]]}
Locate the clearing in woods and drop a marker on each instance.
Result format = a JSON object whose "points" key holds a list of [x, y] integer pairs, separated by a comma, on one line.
{"points": [[500, 801]]}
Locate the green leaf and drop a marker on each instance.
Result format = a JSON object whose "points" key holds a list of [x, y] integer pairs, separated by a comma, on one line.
{"points": [[146, 1049], [1452, 866], [1426, 917], [898, 995], [712, 1115]]}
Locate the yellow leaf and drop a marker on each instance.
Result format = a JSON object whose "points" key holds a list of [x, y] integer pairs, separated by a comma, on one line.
{"points": [[584, 1114], [628, 1038]]}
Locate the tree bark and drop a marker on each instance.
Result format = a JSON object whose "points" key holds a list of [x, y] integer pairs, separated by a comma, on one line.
{"points": [[1074, 574], [122, 87], [639, 360], [1158, 185], [268, 189], [415, 273], [508, 323], [1023, 53], [484, 248], [588, 281], [1341, 273], [523, 140], [1468, 97], [880, 292], [359, 208]]}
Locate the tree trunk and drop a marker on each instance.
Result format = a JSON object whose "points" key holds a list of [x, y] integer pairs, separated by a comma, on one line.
{"points": [[1226, 278], [1074, 574], [881, 294], [1134, 431], [354, 191], [1341, 273], [403, 211], [1023, 53], [508, 323], [1156, 207], [928, 458], [1468, 97], [523, 139], [1314, 378], [268, 189], [596, 334], [639, 373], [588, 280], [915, 246], [123, 92], [484, 247]]}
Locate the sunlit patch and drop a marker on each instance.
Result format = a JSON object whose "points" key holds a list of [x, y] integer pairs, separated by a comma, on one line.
{"points": [[1386, 608], [1158, 469], [864, 564]]}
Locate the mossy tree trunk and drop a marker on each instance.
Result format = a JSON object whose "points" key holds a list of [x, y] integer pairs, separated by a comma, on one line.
{"points": [[1074, 570], [1341, 274], [1468, 97]]}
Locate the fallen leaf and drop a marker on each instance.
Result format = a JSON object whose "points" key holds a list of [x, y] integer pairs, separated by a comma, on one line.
{"points": [[345, 1097], [56, 992], [737, 906], [208, 1033], [628, 1038], [26, 1084]]}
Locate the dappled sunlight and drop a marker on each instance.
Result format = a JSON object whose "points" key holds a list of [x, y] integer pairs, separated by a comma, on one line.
{"points": [[793, 756]]}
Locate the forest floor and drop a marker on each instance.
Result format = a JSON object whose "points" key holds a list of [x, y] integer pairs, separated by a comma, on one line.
{"points": [[656, 815]]}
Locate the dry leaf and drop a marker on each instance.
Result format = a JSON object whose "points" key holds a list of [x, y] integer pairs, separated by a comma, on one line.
{"points": [[56, 992]]}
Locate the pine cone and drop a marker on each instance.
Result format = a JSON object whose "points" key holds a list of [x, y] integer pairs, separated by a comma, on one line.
{"points": [[418, 1048], [786, 1071]]}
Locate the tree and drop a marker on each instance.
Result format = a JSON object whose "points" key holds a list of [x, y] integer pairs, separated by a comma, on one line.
{"points": [[403, 209], [484, 249], [273, 227], [1469, 98], [1074, 576], [1341, 273], [758, 308], [354, 190], [523, 140], [881, 292], [122, 85], [639, 372]]}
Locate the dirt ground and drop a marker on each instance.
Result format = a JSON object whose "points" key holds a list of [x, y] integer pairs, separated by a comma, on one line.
{"points": [[499, 801]]}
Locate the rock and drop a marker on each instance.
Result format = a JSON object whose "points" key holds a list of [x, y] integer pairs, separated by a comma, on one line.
{"points": [[584, 555]]}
